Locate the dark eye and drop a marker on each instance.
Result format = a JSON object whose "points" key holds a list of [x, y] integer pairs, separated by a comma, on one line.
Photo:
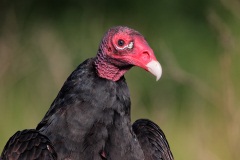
{"points": [[121, 42]]}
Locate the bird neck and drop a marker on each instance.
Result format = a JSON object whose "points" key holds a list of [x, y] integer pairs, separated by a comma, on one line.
{"points": [[107, 69]]}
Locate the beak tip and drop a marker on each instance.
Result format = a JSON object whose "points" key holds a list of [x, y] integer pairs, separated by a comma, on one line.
{"points": [[155, 68]]}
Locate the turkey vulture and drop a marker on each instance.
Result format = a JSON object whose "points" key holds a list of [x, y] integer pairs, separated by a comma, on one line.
{"points": [[90, 117]]}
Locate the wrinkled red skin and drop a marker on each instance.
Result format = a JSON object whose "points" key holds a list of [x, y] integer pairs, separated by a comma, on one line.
{"points": [[113, 60]]}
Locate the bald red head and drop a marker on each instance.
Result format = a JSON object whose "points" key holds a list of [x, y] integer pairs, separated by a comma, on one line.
{"points": [[120, 49]]}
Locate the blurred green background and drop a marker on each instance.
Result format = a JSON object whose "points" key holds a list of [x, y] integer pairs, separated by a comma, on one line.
{"points": [[196, 102]]}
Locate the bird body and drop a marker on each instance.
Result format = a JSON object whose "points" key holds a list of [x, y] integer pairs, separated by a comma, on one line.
{"points": [[90, 117], [86, 114]]}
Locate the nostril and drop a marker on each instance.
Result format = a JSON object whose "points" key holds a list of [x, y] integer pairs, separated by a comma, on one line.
{"points": [[145, 55]]}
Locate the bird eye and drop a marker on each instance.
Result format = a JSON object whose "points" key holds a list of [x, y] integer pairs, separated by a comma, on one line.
{"points": [[121, 42]]}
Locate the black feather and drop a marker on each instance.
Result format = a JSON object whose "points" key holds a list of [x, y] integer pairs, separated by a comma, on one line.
{"points": [[29, 145], [152, 140]]}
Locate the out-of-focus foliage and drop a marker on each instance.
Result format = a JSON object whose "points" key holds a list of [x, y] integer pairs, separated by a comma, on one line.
{"points": [[196, 102]]}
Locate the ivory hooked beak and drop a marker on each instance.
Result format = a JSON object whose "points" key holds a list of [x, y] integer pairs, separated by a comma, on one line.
{"points": [[155, 68]]}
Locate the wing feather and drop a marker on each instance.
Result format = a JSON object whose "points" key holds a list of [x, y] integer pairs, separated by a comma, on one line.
{"points": [[28, 144], [152, 140]]}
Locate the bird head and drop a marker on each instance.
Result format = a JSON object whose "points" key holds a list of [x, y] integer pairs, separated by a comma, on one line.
{"points": [[120, 49]]}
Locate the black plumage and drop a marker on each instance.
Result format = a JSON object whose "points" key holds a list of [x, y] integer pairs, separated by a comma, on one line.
{"points": [[28, 145], [86, 114], [90, 117], [152, 140]]}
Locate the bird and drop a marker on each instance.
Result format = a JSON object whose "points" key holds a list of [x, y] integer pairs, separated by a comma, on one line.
{"points": [[90, 117]]}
